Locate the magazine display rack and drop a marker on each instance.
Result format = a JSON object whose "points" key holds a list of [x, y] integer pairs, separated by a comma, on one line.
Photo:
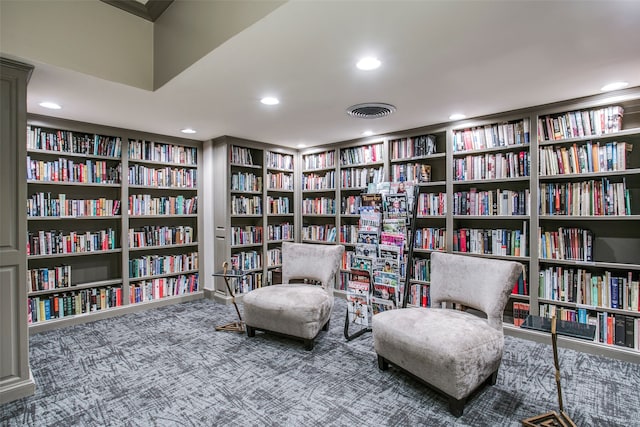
{"points": [[380, 261]]}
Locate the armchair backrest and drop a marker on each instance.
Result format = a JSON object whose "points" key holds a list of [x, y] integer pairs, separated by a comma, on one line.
{"points": [[481, 283], [311, 261]]}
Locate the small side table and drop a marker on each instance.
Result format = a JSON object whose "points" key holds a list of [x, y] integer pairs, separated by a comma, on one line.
{"points": [[227, 274]]}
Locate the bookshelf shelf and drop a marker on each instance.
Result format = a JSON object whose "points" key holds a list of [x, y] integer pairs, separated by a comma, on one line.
{"points": [[68, 183], [88, 285]]}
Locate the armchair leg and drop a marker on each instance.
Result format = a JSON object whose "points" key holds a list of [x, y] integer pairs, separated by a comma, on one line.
{"points": [[456, 406], [493, 378], [308, 344], [383, 364], [326, 326], [251, 332]]}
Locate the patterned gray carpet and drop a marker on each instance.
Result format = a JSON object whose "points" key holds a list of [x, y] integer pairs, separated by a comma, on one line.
{"points": [[169, 367]]}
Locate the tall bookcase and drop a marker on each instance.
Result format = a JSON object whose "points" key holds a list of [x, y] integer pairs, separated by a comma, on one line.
{"points": [[112, 221], [255, 213]]}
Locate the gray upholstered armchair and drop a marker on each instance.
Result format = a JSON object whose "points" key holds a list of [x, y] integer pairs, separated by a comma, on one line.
{"points": [[297, 310], [451, 350]]}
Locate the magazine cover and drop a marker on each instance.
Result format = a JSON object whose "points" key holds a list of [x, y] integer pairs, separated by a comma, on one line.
{"points": [[368, 237], [369, 221], [358, 302], [362, 263], [371, 203], [366, 250], [395, 206]]}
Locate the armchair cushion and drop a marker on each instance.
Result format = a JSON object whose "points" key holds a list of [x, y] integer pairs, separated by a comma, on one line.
{"points": [[299, 310], [467, 351]]}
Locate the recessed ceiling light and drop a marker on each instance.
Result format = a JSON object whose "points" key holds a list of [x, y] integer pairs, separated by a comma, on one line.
{"points": [[368, 63], [50, 105], [301, 145], [457, 116], [188, 130], [614, 86], [270, 100], [367, 133]]}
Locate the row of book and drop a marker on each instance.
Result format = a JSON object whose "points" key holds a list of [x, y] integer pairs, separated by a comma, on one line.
{"points": [[274, 257], [419, 295], [247, 283], [241, 205], [156, 235], [319, 161], [431, 204], [154, 265], [586, 158], [241, 156], [580, 123], [499, 241], [365, 154], [324, 233], [70, 303], [44, 204], [492, 166], [431, 238], [163, 177], [360, 177], [611, 328], [246, 260], [279, 161], [584, 287], [492, 135], [594, 197], [415, 172], [68, 170], [46, 278], [319, 206], [283, 231], [280, 181], [73, 142], [155, 289], [314, 181], [249, 234], [416, 146], [51, 242], [145, 204], [492, 202], [162, 152], [570, 243], [520, 312], [278, 206], [246, 181]]}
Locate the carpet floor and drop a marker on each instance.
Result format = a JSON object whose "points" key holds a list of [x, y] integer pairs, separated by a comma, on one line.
{"points": [[169, 367]]}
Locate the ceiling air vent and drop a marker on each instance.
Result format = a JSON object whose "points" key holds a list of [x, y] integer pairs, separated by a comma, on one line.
{"points": [[371, 110]]}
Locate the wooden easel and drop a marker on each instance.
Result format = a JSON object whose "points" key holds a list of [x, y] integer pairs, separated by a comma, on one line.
{"points": [[552, 418]]}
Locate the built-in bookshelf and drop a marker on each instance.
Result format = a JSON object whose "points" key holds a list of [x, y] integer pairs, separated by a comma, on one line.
{"points": [[280, 207], [588, 238], [491, 197], [421, 159], [539, 185], [257, 213], [111, 219], [319, 201]]}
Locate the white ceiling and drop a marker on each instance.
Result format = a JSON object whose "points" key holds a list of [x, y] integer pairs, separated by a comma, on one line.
{"points": [[438, 57]]}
